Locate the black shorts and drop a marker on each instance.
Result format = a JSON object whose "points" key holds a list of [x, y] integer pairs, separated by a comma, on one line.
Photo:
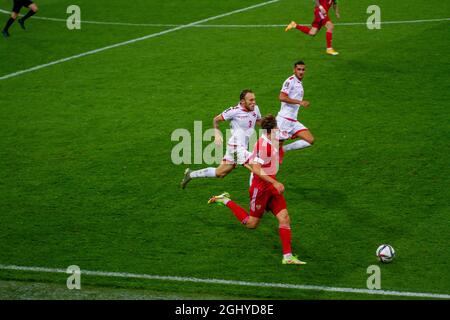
{"points": [[18, 4]]}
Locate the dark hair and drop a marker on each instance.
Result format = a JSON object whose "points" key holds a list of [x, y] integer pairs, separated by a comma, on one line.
{"points": [[300, 62], [244, 93], [268, 123]]}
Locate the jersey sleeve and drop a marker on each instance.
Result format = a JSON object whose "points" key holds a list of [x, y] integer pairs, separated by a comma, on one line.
{"points": [[258, 113], [286, 86], [229, 113]]}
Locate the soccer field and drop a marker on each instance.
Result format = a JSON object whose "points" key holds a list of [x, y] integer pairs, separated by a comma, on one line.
{"points": [[87, 179]]}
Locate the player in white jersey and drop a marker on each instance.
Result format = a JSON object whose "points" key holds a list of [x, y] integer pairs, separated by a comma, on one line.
{"points": [[243, 118], [291, 97]]}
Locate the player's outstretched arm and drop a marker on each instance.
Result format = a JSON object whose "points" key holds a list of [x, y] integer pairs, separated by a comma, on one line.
{"points": [[218, 135]]}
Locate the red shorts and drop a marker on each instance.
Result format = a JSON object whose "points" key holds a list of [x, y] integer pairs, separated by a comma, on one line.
{"points": [[319, 19], [267, 199]]}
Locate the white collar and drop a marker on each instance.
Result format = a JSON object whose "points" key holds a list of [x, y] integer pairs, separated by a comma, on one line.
{"points": [[298, 80]]}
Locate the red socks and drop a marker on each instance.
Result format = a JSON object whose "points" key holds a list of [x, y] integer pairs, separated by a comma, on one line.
{"points": [[306, 30], [240, 213], [303, 29], [329, 38], [284, 230], [285, 236]]}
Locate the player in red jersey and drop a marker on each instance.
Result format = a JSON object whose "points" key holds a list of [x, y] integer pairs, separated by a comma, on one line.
{"points": [[321, 18], [265, 190]]}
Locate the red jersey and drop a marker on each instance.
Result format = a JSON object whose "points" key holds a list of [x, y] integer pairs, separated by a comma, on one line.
{"points": [[326, 4], [267, 153]]}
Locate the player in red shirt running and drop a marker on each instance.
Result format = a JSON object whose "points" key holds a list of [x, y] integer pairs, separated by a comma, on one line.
{"points": [[265, 190], [321, 18]]}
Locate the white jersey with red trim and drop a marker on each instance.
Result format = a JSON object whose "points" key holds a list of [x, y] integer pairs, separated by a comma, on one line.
{"points": [[242, 124], [293, 87]]}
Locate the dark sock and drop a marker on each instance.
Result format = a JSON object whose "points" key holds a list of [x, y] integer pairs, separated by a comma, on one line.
{"points": [[29, 14], [8, 24]]}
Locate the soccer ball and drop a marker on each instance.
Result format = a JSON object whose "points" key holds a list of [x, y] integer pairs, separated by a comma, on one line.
{"points": [[385, 253]]}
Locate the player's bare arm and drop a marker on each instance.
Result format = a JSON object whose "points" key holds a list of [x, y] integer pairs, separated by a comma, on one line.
{"points": [[322, 9], [259, 171], [285, 98], [336, 10], [218, 134]]}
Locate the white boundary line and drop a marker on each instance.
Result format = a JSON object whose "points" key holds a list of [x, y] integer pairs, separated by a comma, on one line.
{"points": [[153, 35], [227, 25], [101, 22], [232, 282]]}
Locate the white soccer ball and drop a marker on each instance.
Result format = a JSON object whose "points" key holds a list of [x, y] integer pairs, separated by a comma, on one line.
{"points": [[385, 253]]}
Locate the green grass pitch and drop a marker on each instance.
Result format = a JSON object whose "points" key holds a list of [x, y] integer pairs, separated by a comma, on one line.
{"points": [[86, 176]]}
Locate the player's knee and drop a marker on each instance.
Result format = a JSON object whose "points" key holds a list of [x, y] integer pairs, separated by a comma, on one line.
{"points": [[221, 175], [251, 224], [311, 140], [283, 218], [330, 27], [312, 33], [34, 7], [14, 15]]}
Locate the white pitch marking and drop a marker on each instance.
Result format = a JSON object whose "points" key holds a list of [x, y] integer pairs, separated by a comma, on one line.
{"points": [[232, 282], [102, 22], [227, 25], [120, 44]]}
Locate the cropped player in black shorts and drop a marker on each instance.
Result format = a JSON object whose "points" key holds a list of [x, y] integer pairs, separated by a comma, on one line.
{"points": [[18, 4]]}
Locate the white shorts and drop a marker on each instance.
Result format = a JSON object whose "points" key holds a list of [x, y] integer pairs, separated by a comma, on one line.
{"points": [[289, 127], [236, 154]]}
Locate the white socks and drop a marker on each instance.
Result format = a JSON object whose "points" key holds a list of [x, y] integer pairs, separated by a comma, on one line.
{"points": [[287, 256], [300, 144], [204, 173]]}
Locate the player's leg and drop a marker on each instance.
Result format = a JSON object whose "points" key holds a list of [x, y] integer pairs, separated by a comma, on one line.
{"points": [[224, 169], [33, 9], [329, 35], [258, 202], [284, 230], [238, 211], [220, 172], [252, 222], [306, 139], [12, 18], [277, 205], [312, 31]]}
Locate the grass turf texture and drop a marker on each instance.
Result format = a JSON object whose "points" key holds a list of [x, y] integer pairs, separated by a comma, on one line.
{"points": [[86, 176]]}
